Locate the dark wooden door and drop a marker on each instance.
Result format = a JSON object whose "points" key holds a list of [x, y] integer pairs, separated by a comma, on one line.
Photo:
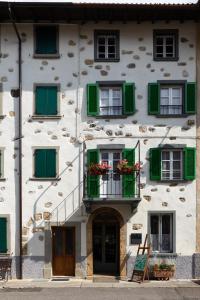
{"points": [[106, 248], [63, 251]]}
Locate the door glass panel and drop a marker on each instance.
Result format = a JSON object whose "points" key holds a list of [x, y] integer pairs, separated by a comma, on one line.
{"points": [[58, 242], [69, 241], [166, 233], [155, 233], [97, 242], [110, 243]]}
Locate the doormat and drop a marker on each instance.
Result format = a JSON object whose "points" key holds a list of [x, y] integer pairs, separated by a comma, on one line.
{"points": [[102, 278]]}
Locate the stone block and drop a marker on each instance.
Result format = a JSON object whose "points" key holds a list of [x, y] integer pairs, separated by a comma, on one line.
{"points": [[137, 226], [46, 215], [37, 217], [147, 197], [25, 230], [131, 66]]}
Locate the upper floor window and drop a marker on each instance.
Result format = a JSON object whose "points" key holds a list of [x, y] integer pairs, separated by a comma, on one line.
{"points": [[171, 164], [46, 100], [172, 98], [46, 41], [45, 163], [110, 99], [165, 45], [106, 45]]}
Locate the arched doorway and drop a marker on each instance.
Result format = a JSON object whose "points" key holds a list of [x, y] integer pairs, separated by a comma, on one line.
{"points": [[106, 243]]}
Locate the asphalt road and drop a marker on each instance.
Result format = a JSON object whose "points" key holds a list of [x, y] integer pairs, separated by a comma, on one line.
{"points": [[96, 293]]}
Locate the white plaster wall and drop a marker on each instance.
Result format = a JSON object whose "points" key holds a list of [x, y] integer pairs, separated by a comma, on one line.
{"points": [[62, 197]]}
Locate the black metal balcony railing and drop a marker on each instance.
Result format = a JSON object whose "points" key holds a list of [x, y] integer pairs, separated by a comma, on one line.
{"points": [[110, 110], [171, 109], [112, 185]]}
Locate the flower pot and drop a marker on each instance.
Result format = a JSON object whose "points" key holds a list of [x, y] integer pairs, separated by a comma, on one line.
{"points": [[164, 274]]}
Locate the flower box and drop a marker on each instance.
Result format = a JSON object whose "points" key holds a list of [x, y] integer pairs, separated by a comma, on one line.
{"points": [[98, 169], [163, 272]]}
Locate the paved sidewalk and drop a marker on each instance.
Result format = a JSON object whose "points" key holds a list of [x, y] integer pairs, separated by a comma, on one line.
{"points": [[81, 283]]}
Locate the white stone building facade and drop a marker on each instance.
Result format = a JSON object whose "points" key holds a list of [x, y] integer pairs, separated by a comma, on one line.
{"points": [[165, 208]]}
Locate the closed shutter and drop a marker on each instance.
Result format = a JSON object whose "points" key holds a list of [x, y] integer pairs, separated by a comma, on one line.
{"points": [[190, 97], [93, 180], [128, 181], [153, 98], [189, 163], [155, 163], [46, 40], [46, 100], [45, 163], [3, 235], [92, 99], [129, 98]]}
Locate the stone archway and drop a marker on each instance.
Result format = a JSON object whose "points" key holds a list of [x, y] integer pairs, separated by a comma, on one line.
{"points": [[122, 240]]}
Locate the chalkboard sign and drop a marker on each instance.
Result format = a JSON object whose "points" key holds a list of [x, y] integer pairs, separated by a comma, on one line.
{"points": [[136, 238], [140, 262]]}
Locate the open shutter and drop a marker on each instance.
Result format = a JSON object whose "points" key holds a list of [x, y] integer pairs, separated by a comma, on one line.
{"points": [[3, 235], [46, 40], [129, 98], [93, 180], [51, 163], [153, 98], [128, 181], [189, 163], [92, 99], [190, 97], [51, 106], [155, 163]]}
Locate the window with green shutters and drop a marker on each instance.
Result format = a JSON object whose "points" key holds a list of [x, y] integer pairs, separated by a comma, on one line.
{"points": [[3, 235], [167, 99], [46, 100], [45, 163], [110, 100], [128, 181], [172, 164], [46, 40]]}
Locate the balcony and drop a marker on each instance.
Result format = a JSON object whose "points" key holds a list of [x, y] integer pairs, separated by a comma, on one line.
{"points": [[112, 188]]}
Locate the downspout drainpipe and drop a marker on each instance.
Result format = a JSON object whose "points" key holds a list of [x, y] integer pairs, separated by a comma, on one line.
{"points": [[19, 137]]}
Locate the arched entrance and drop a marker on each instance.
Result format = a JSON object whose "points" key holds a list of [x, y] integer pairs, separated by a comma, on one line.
{"points": [[106, 243]]}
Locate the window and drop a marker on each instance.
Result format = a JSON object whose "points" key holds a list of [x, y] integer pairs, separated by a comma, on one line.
{"points": [[110, 99], [45, 163], [3, 235], [46, 40], [170, 163], [172, 98], [46, 100], [166, 45], [161, 232], [171, 167], [106, 45]]}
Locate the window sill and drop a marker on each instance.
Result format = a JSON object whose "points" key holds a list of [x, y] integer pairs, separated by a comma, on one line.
{"points": [[47, 56], [155, 255], [166, 59], [112, 117], [43, 117], [44, 179], [173, 181], [106, 60], [172, 116]]}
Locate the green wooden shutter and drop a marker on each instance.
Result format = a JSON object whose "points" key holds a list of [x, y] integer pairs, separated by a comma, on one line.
{"points": [[129, 98], [51, 163], [3, 235], [189, 163], [92, 99], [155, 163], [93, 180], [46, 100], [128, 181], [190, 97], [45, 163], [153, 98], [46, 40]]}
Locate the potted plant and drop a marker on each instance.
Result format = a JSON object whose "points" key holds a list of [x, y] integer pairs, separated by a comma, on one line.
{"points": [[98, 169], [163, 271], [123, 167]]}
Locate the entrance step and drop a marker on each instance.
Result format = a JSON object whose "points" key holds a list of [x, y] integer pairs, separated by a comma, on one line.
{"points": [[60, 278], [105, 278]]}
